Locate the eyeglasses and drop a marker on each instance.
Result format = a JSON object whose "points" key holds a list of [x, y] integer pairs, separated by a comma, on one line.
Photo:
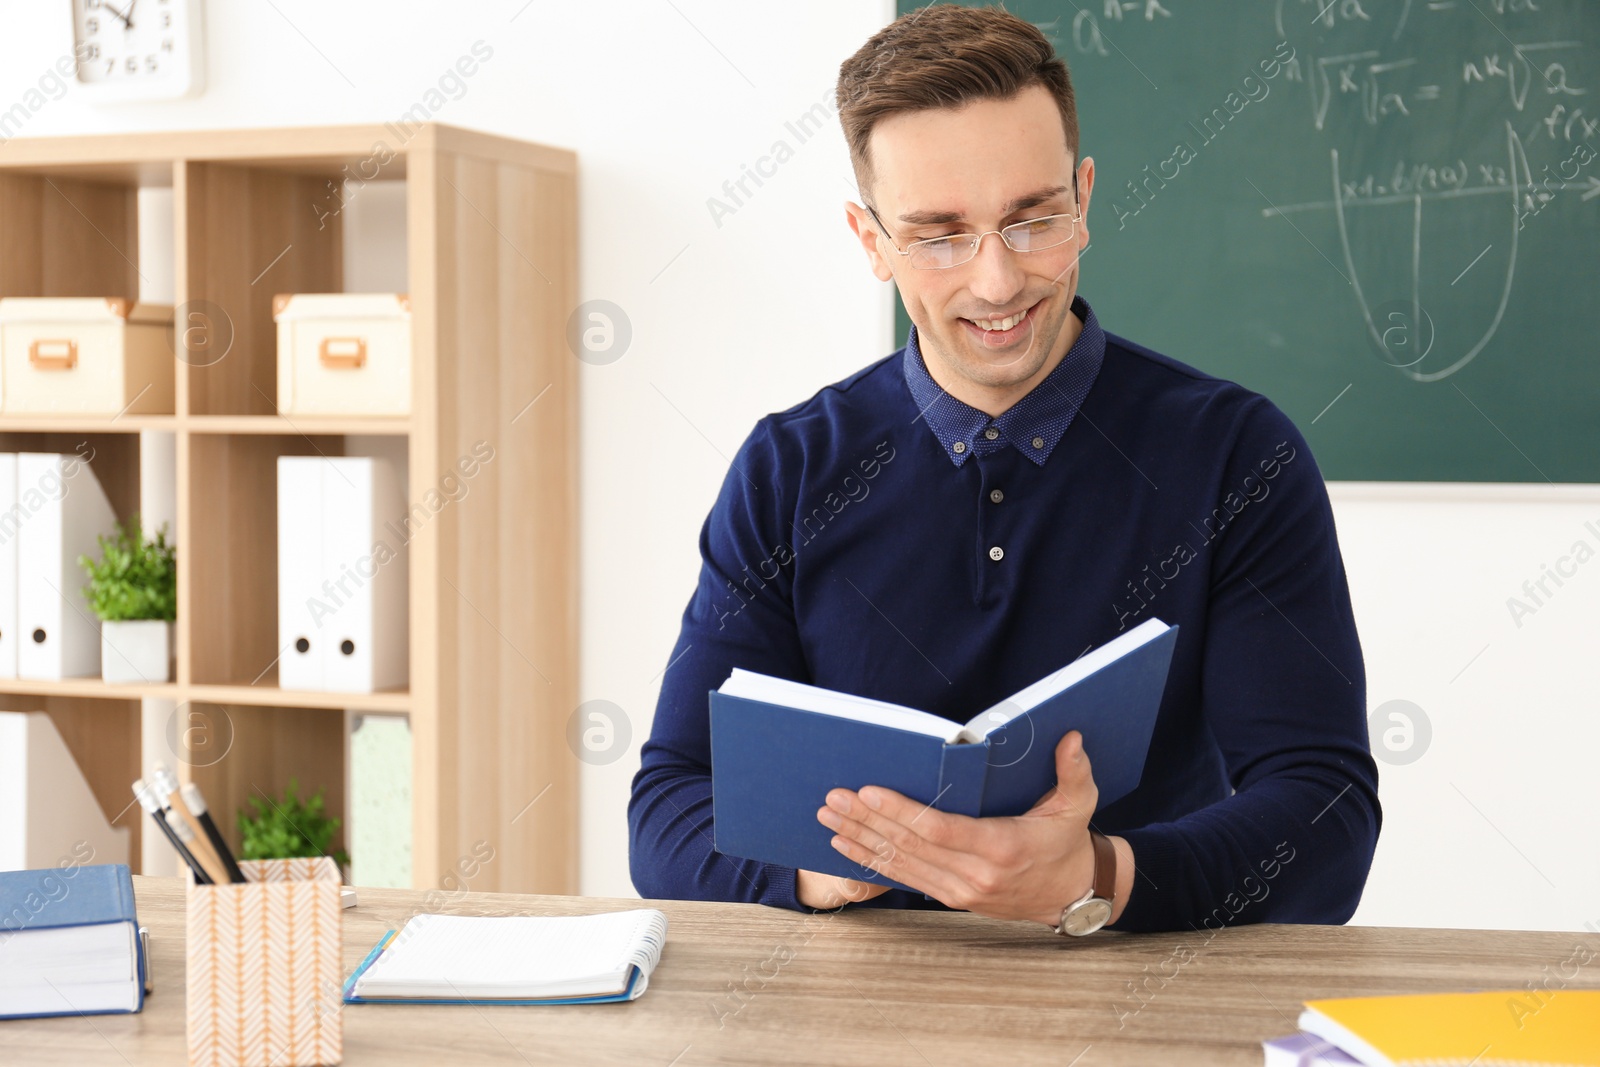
{"points": [[1030, 235]]}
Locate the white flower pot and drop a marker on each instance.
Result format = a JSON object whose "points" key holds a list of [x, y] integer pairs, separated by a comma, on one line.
{"points": [[136, 650]]}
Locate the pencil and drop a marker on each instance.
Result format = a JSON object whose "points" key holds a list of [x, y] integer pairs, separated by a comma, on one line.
{"points": [[184, 828], [197, 804], [152, 803]]}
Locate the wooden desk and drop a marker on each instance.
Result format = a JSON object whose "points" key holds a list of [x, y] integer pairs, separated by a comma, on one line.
{"points": [[864, 987]]}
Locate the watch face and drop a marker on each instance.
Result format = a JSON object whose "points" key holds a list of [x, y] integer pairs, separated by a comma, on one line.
{"points": [[1087, 917]]}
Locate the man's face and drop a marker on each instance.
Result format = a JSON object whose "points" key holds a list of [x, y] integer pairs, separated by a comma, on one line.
{"points": [[982, 167]]}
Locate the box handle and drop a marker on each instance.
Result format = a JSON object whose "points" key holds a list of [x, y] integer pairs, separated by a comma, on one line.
{"points": [[342, 353], [53, 354]]}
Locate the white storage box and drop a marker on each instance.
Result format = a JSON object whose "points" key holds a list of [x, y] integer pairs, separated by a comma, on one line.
{"points": [[85, 356], [343, 353]]}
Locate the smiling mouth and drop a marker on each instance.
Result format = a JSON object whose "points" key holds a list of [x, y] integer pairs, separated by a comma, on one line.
{"points": [[999, 332]]}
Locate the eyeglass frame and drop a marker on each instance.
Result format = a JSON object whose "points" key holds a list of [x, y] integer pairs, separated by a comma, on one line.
{"points": [[977, 246]]}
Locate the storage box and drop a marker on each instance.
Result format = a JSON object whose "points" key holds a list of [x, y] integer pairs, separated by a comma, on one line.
{"points": [[263, 961], [85, 356], [343, 353]]}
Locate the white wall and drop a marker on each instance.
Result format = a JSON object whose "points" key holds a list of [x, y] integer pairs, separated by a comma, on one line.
{"points": [[663, 104], [1494, 822], [1492, 826]]}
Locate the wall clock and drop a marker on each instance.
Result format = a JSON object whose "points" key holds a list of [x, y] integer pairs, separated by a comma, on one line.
{"points": [[138, 49]]}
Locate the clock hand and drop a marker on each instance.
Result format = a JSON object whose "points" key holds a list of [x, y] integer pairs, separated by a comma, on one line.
{"points": [[131, 5], [117, 13]]}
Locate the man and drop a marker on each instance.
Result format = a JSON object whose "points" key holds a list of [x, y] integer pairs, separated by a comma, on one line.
{"points": [[1014, 487]]}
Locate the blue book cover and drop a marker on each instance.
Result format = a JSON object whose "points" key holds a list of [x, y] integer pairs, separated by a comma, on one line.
{"points": [[58, 897], [772, 764]]}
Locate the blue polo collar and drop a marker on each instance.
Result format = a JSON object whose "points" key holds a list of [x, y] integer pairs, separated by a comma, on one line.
{"points": [[1033, 424]]}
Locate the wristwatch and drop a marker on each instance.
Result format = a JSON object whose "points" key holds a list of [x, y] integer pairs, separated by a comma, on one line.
{"points": [[1093, 910]]}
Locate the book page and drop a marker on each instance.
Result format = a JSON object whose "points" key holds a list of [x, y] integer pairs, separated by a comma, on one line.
{"points": [[1029, 697], [753, 685]]}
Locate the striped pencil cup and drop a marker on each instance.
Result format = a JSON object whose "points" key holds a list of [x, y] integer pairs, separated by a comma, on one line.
{"points": [[263, 967]]}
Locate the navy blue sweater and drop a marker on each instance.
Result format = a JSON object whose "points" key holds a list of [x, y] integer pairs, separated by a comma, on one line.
{"points": [[925, 554]]}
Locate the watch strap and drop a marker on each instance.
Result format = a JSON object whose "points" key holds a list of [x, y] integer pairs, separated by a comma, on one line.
{"points": [[1105, 866]]}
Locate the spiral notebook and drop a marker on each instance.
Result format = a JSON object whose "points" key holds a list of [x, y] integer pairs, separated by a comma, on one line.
{"points": [[1522, 1027], [514, 959]]}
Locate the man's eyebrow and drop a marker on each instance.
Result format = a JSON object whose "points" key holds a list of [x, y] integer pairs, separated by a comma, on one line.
{"points": [[1021, 203]]}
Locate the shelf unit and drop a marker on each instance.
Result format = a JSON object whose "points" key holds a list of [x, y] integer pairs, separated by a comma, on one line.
{"points": [[491, 244]]}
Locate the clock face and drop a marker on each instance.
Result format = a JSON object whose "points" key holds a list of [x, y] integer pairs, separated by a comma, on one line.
{"points": [[136, 48]]}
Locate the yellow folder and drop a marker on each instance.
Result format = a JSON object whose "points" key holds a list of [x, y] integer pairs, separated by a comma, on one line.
{"points": [[1496, 1029]]}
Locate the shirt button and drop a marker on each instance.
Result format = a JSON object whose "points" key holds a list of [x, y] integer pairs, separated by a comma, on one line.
{"points": [[997, 553], [991, 433], [996, 495], [1038, 442], [959, 447]]}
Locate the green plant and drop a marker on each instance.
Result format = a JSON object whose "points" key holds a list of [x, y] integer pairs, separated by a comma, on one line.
{"points": [[134, 578], [289, 828]]}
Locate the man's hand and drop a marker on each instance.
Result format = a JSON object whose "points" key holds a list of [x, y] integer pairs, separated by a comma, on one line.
{"points": [[830, 891], [1028, 866]]}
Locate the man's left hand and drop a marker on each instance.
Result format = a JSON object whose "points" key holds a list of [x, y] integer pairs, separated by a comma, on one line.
{"points": [[1028, 866]]}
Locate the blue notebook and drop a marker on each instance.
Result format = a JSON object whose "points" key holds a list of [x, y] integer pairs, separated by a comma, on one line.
{"points": [[778, 746], [69, 942]]}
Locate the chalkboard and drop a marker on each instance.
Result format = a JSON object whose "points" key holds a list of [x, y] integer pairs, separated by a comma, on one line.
{"points": [[1382, 214]]}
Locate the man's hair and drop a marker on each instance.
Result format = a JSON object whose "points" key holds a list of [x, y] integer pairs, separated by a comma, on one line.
{"points": [[944, 56]]}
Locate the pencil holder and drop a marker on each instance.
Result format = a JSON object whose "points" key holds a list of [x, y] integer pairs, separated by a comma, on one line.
{"points": [[263, 967]]}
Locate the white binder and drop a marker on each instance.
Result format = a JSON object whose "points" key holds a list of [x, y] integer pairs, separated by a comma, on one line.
{"points": [[342, 584], [47, 810], [10, 529], [299, 571], [58, 636]]}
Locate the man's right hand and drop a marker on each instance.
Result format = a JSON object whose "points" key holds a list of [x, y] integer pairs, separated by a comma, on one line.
{"points": [[829, 891]]}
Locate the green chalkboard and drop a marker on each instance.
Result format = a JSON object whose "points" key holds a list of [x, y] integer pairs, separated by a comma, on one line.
{"points": [[1382, 214]]}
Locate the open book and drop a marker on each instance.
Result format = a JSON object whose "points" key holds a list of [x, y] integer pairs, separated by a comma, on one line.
{"points": [[516, 959], [778, 746]]}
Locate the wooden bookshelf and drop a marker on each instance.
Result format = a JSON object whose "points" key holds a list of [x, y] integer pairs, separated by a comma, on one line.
{"points": [[492, 276]]}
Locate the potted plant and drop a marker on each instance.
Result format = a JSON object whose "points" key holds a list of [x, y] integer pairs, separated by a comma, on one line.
{"points": [[133, 588], [290, 828]]}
